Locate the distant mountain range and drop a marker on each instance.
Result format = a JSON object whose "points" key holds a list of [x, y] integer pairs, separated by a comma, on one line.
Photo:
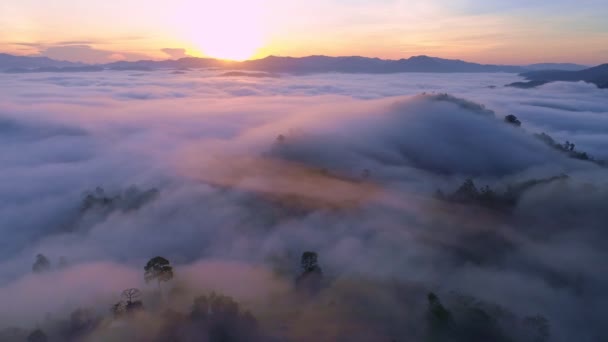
{"points": [[9, 62], [274, 64], [597, 75], [556, 66]]}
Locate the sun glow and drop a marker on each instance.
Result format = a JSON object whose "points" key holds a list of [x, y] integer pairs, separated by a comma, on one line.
{"points": [[231, 30]]}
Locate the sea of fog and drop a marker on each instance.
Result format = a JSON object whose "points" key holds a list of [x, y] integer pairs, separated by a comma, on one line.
{"points": [[232, 178]]}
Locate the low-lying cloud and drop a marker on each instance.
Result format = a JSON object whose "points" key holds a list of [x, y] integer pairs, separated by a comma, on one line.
{"points": [[236, 177]]}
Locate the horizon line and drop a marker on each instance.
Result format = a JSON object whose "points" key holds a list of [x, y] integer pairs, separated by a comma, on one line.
{"points": [[294, 57]]}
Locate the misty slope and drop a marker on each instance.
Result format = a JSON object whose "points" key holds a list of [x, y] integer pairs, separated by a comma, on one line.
{"points": [[597, 75], [459, 129]]}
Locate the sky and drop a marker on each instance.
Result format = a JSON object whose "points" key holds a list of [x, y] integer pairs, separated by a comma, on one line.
{"points": [[488, 31]]}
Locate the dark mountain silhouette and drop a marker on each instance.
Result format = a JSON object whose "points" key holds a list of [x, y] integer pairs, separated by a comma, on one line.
{"points": [[597, 75], [275, 64], [85, 68], [248, 74], [182, 63], [29, 62], [527, 84], [354, 64], [556, 66], [322, 64]]}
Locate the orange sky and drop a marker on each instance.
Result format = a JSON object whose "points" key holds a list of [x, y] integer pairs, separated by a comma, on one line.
{"points": [[489, 31]]}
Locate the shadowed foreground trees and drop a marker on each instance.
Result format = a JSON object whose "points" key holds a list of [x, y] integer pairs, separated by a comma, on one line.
{"points": [[349, 309], [129, 303], [37, 336], [504, 200], [82, 322], [439, 319], [212, 318], [471, 320], [132, 198]]}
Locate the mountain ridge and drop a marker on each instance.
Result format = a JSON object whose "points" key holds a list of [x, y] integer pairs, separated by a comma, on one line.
{"points": [[597, 75], [278, 64]]}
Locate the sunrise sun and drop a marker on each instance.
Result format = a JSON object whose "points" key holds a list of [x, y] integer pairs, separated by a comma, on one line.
{"points": [[228, 30], [225, 44]]}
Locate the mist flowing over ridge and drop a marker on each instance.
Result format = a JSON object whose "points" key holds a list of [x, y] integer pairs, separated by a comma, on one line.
{"points": [[597, 75], [422, 195]]}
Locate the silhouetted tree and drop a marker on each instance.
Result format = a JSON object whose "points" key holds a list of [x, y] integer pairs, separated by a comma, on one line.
{"points": [[81, 323], [118, 309], [512, 120], [489, 198], [309, 262], [96, 198], [466, 193], [439, 319], [223, 320], [539, 327], [130, 295], [37, 336], [42, 264], [158, 269], [477, 325], [568, 148], [131, 300], [312, 275]]}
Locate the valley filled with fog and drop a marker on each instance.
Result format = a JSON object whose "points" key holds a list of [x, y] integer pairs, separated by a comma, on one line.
{"points": [[419, 198]]}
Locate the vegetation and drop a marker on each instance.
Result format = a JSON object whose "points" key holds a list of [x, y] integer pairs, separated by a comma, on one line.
{"points": [[310, 280], [129, 303], [131, 199], [37, 336], [158, 269], [471, 320], [217, 317], [486, 197], [222, 319], [42, 264], [568, 148], [512, 120]]}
